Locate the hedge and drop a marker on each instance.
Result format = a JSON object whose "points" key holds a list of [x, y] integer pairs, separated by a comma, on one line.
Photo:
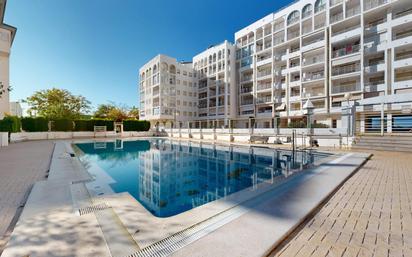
{"points": [[10, 124], [136, 125], [38, 124], [83, 125], [62, 125], [102, 122]]}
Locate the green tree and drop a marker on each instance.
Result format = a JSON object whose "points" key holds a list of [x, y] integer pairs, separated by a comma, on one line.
{"points": [[134, 113], [117, 112], [57, 104]]}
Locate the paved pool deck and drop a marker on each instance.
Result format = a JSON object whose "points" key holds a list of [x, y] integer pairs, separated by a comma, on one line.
{"points": [[21, 165], [370, 215]]}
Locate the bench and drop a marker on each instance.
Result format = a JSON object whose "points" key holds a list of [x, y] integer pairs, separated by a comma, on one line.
{"points": [[263, 139]]}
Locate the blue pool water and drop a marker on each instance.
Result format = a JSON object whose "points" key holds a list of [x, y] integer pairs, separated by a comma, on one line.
{"points": [[169, 177]]}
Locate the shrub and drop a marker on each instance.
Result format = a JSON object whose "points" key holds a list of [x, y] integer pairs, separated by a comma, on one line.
{"points": [[62, 125], [297, 124], [136, 125], [103, 122], [319, 125], [83, 125], [10, 124], [38, 124]]}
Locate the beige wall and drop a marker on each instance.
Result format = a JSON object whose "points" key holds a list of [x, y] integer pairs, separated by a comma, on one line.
{"points": [[5, 37]]}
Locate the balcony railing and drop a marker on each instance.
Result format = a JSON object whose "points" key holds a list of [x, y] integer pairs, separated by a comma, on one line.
{"points": [[402, 34], [346, 51], [265, 99], [279, 26], [314, 93], [313, 60], [402, 56], [247, 78], [402, 13], [264, 73], [306, 29], [337, 89], [246, 102], [320, 25], [313, 76], [373, 3], [264, 86], [352, 11], [335, 2], [246, 89], [336, 17], [278, 40], [262, 58], [345, 69], [293, 35]]}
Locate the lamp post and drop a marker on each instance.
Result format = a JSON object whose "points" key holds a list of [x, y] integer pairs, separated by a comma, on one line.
{"points": [[308, 111]]}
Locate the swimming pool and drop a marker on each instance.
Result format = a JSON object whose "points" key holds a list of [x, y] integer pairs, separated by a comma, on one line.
{"points": [[170, 177]]}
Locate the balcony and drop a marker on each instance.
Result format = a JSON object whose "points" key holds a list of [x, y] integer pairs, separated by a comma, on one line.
{"points": [[338, 89], [310, 76], [345, 69], [370, 4], [264, 86], [351, 49], [306, 29], [293, 35], [244, 90], [352, 11], [336, 18], [278, 40], [374, 86], [314, 93], [264, 73], [264, 99], [313, 60], [246, 101], [246, 78], [335, 2]]}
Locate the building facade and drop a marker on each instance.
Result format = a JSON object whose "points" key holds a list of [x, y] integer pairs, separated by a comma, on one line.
{"points": [[333, 53], [168, 92], [216, 71], [7, 34], [15, 109]]}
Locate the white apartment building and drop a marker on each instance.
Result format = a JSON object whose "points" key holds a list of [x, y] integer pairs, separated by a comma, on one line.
{"points": [[7, 34], [328, 51], [15, 109], [335, 53], [168, 92], [216, 69]]}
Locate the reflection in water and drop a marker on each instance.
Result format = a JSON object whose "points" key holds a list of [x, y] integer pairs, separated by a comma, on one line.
{"points": [[170, 177]]}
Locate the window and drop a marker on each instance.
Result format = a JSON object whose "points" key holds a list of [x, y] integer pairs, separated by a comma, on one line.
{"points": [[320, 5], [293, 17], [307, 11]]}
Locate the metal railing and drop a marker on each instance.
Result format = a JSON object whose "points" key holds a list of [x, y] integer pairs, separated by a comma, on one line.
{"points": [[336, 17], [373, 3], [337, 89], [352, 11], [345, 69], [313, 76], [346, 51]]}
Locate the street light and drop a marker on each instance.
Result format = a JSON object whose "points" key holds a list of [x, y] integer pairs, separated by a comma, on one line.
{"points": [[308, 111]]}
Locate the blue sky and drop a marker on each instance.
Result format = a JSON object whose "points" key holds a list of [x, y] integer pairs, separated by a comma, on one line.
{"points": [[95, 47]]}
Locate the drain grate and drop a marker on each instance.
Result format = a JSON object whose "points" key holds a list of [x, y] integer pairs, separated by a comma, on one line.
{"points": [[90, 209], [82, 181]]}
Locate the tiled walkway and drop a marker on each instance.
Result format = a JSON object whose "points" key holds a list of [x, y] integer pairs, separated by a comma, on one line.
{"points": [[370, 215], [21, 165]]}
